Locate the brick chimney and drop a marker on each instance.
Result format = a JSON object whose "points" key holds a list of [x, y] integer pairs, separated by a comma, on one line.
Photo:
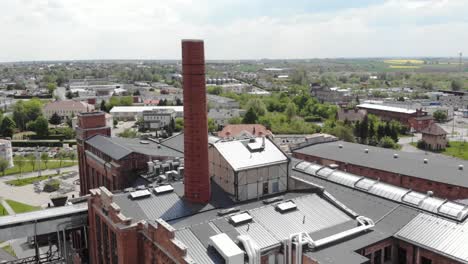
{"points": [[197, 181]]}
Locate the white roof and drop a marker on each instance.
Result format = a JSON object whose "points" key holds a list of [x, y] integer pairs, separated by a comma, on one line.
{"points": [[387, 108], [139, 109], [238, 155]]}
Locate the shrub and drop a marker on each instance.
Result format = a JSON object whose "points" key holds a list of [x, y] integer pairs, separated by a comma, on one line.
{"points": [[51, 185]]}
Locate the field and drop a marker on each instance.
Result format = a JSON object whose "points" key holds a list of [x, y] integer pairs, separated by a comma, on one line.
{"points": [[457, 149], [21, 207], [403, 67], [2, 210], [404, 61], [52, 164]]}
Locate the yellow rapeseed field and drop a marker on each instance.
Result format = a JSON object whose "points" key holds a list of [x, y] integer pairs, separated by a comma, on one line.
{"points": [[404, 61], [403, 67]]}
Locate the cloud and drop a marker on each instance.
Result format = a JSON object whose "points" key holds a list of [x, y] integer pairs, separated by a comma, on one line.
{"points": [[148, 29]]}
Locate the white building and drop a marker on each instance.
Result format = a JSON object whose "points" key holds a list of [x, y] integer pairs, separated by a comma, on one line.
{"points": [[6, 151], [248, 169], [135, 112], [157, 118]]}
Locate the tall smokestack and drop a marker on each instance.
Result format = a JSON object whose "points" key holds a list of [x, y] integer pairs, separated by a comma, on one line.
{"points": [[197, 181]]}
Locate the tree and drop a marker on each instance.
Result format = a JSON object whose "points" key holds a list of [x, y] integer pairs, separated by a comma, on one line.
{"points": [[128, 133], [7, 127], [104, 106], [115, 122], [136, 93], [61, 156], [55, 119], [364, 129], [40, 126], [235, 120], [4, 164], [387, 142], [216, 90], [456, 85], [440, 115], [31, 159], [51, 87], [380, 131], [179, 124], [211, 125], [20, 162], [45, 158], [257, 106], [250, 117], [19, 115], [291, 110], [179, 102], [69, 95]]}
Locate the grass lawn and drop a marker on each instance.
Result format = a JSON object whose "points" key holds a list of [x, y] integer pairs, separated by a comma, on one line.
{"points": [[9, 250], [52, 164], [22, 182], [457, 149], [3, 211], [21, 207]]}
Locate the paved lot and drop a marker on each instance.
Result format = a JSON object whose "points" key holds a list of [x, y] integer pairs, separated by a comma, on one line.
{"points": [[26, 194]]}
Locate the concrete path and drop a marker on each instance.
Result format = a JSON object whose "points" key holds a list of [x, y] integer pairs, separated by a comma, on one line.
{"points": [[7, 206], [34, 174]]}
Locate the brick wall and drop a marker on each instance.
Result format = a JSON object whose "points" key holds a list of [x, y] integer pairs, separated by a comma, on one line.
{"points": [[442, 190]]}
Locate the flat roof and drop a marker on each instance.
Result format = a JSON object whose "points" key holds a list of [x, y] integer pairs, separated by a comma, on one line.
{"points": [[387, 108], [439, 168], [139, 109]]}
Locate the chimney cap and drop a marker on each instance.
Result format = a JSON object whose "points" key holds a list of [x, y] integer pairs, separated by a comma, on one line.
{"points": [[192, 40], [395, 155], [426, 160], [460, 167], [366, 150], [340, 146]]}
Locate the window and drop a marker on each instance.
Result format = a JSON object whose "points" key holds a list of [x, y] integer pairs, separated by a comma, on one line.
{"points": [[98, 238], [425, 260], [115, 257], [265, 188], [275, 187], [378, 257], [401, 255], [388, 253]]}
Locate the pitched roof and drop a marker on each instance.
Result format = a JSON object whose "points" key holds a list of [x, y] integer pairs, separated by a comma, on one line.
{"points": [[118, 148], [434, 129], [68, 105], [242, 129]]}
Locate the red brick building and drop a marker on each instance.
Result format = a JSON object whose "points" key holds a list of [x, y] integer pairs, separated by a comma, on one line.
{"points": [[445, 176], [115, 162], [244, 130], [388, 113], [420, 123]]}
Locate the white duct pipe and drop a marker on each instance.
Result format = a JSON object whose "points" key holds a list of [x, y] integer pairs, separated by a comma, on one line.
{"points": [[253, 250]]}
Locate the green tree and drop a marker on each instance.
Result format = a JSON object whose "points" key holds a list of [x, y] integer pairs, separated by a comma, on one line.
{"points": [[4, 164], [291, 110], [179, 124], [7, 127], [216, 90], [20, 162], [235, 120], [257, 106], [69, 95], [19, 115], [387, 142], [45, 158], [364, 130], [456, 85], [212, 127], [40, 126], [250, 117], [55, 119], [51, 87], [104, 106], [31, 159], [128, 133], [440, 115]]}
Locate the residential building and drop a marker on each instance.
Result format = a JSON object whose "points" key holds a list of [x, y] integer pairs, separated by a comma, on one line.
{"points": [[330, 95], [66, 108], [136, 112], [244, 130], [222, 116], [444, 176], [157, 118], [420, 123], [435, 137], [215, 101]]}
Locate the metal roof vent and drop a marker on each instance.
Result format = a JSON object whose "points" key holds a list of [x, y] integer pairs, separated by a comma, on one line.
{"points": [[286, 206], [366, 150], [430, 193], [273, 200], [144, 142], [426, 161], [163, 189], [333, 166], [340, 146], [241, 218], [140, 194], [395, 156], [460, 167]]}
